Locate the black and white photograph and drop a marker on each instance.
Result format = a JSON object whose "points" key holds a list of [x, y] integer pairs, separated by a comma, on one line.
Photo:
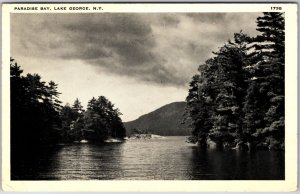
{"points": [[173, 95]]}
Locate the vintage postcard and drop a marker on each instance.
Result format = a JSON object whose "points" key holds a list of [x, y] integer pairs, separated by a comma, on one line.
{"points": [[149, 97]]}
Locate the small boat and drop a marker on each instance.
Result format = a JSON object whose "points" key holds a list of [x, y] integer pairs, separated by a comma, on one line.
{"points": [[84, 141]]}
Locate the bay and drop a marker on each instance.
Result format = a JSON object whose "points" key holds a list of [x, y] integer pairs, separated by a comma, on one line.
{"points": [[170, 158]]}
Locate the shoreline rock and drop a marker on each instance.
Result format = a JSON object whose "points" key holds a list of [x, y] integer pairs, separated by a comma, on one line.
{"points": [[113, 140]]}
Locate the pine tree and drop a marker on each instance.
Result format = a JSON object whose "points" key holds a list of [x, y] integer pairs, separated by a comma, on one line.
{"points": [[198, 110], [230, 86], [67, 117], [267, 82], [34, 116], [216, 95], [77, 107], [53, 95]]}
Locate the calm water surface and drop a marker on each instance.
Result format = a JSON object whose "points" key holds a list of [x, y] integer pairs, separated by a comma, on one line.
{"points": [[161, 159]]}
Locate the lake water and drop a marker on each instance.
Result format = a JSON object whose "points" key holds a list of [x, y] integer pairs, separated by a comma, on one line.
{"points": [[160, 159]]}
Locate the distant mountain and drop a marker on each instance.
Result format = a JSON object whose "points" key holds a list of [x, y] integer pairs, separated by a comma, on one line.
{"points": [[164, 121]]}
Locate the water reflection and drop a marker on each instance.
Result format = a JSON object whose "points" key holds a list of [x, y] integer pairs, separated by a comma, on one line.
{"points": [[34, 163], [156, 159], [87, 161], [236, 165]]}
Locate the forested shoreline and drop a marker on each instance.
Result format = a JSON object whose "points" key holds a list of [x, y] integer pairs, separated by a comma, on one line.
{"points": [[39, 119], [236, 100]]}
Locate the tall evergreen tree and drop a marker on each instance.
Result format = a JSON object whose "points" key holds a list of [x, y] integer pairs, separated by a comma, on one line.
{"points": [[267, 82], [34, 110], [230, 88], [77, 107], [72, 122], [240, 91], [53, 95], [67, 117], [77, 125], [198, 109]]}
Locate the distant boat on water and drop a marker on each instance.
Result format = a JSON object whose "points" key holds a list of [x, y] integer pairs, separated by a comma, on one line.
{"points": [[84, 141]]}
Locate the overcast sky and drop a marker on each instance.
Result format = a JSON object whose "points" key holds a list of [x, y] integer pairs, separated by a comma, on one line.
{"points": [[139, 61]]}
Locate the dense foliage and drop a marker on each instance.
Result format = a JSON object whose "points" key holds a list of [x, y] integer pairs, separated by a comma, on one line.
{"points": [[237, 97], [102, 120], [37, 117], [34, 109]]}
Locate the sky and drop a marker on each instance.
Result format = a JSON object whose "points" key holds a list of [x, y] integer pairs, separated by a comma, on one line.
{"points": [[139, 61]]}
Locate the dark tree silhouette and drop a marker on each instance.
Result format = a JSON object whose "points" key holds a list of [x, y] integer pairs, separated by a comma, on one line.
{"points": [[102, 120], [237, 97]]}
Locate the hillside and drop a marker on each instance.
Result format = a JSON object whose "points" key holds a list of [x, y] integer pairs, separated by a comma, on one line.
{"points": [[164, 121]]}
